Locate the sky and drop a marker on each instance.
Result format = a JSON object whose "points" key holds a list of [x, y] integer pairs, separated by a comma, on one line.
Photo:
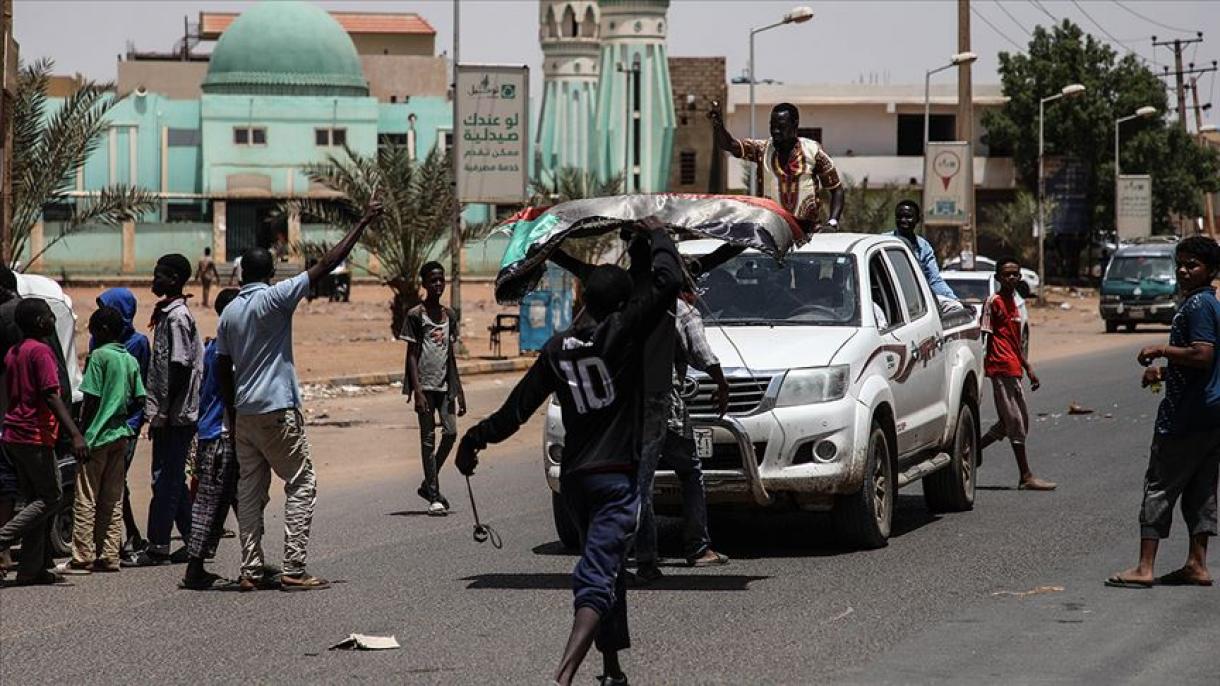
{"points": [[846, 42]]}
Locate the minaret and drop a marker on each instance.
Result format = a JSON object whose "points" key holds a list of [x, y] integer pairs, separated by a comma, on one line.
{"points": [[634, 129], [568, 31]]}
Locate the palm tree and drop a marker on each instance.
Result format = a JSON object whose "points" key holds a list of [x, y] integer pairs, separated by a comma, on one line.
{"points": [[49, 148], [1010, 226], [419, 207]]}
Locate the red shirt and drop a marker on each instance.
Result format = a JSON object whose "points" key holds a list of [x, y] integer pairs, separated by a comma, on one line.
{"points": [[1002, 319], [30, 371]]}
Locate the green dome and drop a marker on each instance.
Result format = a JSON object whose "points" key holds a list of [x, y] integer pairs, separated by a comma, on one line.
{"points": [[285, 48]]}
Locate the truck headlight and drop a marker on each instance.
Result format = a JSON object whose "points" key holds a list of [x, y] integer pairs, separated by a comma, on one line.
{"points": [[813, 385], [1110, 298]]}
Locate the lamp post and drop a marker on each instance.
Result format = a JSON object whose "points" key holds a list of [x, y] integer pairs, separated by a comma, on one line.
{"points": [[957, 60], [1145, 112], [1066, 91], [797, 15]]}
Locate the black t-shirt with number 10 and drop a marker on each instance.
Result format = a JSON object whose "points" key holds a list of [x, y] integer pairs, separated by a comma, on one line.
{"points": [[594, 370]]}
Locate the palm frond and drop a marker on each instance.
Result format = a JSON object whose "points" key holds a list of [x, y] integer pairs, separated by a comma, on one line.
{"points": [[112, 206]]}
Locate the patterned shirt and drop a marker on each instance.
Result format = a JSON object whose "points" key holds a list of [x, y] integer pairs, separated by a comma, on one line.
{"points": [[793, 184], [1185, 405], [693, 350]]}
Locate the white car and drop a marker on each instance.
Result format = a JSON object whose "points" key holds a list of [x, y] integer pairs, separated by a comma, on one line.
{"points": [[985, 264], [845, 386], [973, 289]]}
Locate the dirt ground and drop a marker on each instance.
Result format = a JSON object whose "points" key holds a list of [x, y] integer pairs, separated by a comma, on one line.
{"points": [[333, 339]]}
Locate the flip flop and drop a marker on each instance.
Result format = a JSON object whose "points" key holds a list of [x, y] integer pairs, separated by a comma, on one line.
{"points": [[720, 559], [1179, 578], [303, 582], [204, 583], [1119, 582]]}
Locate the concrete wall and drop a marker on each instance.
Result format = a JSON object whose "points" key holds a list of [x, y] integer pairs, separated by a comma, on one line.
{"points": [[394, 43], [177, 80], [406, 75]]}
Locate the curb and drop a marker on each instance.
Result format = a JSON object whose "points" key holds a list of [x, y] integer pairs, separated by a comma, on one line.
{"points": [[465, 368]]}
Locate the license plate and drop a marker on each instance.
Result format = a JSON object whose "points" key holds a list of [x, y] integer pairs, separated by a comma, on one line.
{"points": [[1136, 313], [703, 443]]}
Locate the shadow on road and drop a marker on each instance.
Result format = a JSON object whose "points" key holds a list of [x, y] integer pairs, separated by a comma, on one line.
{"points": [[563, 582]]}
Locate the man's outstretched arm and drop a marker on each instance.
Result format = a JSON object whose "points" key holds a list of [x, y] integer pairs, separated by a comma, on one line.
{"points": [[340, 250]]}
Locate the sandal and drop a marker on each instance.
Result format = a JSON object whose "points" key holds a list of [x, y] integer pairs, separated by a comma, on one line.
{"points": [[43, 578], [717, 560], [205, 582], [1117, 581], [1181, 578], [302, 582]]}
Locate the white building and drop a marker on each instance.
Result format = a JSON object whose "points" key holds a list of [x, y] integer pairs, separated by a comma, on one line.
{"points": [[874, 132]]}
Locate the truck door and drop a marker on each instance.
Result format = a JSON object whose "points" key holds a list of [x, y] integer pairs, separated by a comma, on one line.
{"points": [[925, 381], [893, 331]]}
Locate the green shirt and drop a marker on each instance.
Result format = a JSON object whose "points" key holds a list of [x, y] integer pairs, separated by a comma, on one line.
{"points": [[112, 376]]}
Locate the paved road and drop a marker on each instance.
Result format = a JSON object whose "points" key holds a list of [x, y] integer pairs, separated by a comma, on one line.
{"points": [[943, 602]]}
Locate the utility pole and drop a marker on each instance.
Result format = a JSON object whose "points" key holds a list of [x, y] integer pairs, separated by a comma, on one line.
{"points": [[455, 237], [1179, 74], [965, 123], [8, 91], [1209, 211]]}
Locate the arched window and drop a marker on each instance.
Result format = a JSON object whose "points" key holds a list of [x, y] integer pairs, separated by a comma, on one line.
{"points": [[569, 22], [588, 26], [551, 28]]}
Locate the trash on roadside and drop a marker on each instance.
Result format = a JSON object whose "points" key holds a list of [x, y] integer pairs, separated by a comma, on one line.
{"points": [[1034, 591], [1065, 306], [1107, 416], [363, 642], [1077, 408]]}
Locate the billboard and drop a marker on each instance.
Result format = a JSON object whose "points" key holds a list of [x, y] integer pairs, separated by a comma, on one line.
{"points": [[491, 136], [1133, 211], [948, 179]]}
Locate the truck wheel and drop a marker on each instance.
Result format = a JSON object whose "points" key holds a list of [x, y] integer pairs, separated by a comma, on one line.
{"points": [[1131, 327], [952, 489], [569, 535], [863, 519], [1111, 327], [60, 529]]}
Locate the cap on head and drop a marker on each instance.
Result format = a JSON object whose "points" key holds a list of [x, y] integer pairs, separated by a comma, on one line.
{"points": [[258, 264], [178, 265], [223, 299], [29, 311], [606, 290]]}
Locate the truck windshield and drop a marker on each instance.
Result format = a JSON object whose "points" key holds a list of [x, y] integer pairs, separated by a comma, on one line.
{"points": [[970, 289], [1137, 268], [809, 288]]}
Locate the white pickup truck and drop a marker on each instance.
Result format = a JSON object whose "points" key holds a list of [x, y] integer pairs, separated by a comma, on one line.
{"points": [[846, 385]]}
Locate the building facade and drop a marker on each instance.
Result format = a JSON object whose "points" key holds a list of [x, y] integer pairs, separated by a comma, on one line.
{"points": [[698, 166], [224, 139], [569, 31]]}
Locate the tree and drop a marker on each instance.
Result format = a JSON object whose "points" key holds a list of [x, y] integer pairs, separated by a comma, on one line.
{"points": [[871, 210], [1083, 127], [419, 208], [49, 148], [1009, 228]]}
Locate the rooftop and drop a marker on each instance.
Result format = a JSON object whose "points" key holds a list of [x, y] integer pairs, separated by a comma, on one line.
{"points": [[860, 94], [213, 24]]}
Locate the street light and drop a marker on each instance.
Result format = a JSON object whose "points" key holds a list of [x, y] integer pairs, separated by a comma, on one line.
{"points": [[954, 61], [1065, 92], [797, 15], [1145, 112]]}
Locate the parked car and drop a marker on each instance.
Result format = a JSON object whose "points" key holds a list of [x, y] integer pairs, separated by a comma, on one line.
{"points": [[845, 386], [1139, 286], [1030, 283], [973, 289]]}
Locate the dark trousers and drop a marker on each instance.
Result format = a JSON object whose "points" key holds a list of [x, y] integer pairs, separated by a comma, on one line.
{"points": [[433, 455], [656, 427], [171, 501], [1182, 466], [38, 481], [217, 472], [605, 508]]}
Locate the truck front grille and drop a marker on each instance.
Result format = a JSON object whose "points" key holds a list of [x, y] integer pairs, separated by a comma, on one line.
{"points": [[745, 395]]}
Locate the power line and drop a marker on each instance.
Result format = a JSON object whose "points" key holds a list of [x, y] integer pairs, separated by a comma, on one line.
{"points": [[1150, 20], [1107, 33], [1014, 19], [1037, 4], [996, 29]]}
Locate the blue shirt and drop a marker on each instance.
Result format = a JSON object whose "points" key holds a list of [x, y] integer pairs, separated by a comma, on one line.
{"points": [[1192, 396], [926, 257], [211, 406], [256, 331]]}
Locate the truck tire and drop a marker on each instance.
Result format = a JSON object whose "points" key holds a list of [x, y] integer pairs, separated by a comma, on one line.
{"points": [[952, 489], [864, 519], [565, 528]]}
